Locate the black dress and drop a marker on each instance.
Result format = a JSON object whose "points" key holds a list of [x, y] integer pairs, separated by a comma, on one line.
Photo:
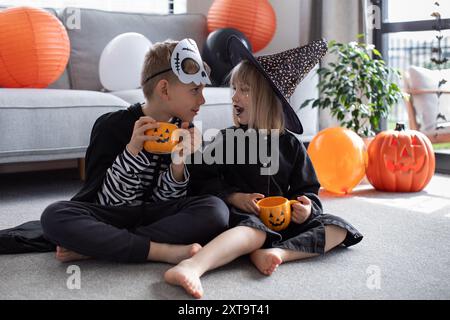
{"points": [[295, 177]]}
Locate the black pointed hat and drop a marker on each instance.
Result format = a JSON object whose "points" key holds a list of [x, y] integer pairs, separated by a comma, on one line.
{"points": [[283, 71]]}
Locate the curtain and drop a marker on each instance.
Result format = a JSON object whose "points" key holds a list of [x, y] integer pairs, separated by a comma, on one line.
{"points": [[340, 20]]}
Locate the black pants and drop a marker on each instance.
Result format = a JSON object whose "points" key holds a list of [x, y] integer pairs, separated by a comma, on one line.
{"points": [[124, 233]]}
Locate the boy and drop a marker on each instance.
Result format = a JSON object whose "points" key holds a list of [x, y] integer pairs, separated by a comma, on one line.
{"points": [[132, 207]]}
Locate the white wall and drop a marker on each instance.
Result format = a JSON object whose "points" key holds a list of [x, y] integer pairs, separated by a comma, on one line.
{"points": [[160, 7], [287, 34]]}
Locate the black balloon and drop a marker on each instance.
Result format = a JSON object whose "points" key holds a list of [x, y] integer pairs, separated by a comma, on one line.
{"points": [[215, 54]]}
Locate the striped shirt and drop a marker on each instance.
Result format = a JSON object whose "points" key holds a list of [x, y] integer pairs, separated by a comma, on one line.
{"points": [[129, 177]]}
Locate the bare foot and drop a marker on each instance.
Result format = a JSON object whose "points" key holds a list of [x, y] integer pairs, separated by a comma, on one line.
{"points": [[183, 276], [266, 260], [173, 253], [65, 255]]}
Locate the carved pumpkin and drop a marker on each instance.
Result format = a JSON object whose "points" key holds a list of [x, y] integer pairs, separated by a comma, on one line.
{"points": [[166, 141], [400, 160], [275, 212]]}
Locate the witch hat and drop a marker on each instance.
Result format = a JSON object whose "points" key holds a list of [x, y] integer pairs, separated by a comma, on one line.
{"points": [[283, 71]]}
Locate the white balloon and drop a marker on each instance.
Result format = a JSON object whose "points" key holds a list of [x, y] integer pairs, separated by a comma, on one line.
{"points": [[121, 61]]}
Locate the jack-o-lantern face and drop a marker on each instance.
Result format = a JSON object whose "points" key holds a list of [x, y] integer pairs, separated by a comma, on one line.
{"points": [[164, 136], [276, 220], [275, 212], [165, 142], [404, 153], [400, 160]]}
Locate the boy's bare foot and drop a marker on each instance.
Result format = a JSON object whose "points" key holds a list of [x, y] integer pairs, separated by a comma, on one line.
{"points": [[173, 253], [266, 260], [66, 255], [183, 276]]}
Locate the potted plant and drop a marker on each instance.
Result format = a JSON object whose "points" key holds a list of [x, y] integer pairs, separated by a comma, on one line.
{"points": [[358, 88]]}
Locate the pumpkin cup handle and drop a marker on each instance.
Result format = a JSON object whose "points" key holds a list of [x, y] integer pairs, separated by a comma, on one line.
{"points": [[291, 202]]}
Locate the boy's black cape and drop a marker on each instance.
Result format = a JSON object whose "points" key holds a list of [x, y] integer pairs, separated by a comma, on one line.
{"points": [[110, 134]]}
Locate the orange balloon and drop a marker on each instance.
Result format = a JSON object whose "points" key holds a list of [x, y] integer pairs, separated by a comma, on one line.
{"points": [[254, 18], [339, 157], [34, 48]]}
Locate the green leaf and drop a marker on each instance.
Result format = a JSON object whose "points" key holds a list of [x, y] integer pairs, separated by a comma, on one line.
{"points": [[315, 103], [376, 52], [356, 87], [306, 103]]}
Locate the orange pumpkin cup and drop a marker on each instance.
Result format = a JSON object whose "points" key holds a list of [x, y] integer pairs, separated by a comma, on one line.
{"points": [[275, 212], [166, 139]]}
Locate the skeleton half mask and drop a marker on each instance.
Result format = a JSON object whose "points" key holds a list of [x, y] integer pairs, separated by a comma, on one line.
{"points": [[186, 53]]}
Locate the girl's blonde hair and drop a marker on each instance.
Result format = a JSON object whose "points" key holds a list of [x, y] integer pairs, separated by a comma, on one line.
{"points": [[266, 109]]}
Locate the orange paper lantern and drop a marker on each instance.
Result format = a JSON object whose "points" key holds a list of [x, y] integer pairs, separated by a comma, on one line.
{"points": [[339, 157], [254, 18], [34, 48]]}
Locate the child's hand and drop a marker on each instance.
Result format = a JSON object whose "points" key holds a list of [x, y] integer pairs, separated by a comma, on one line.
{"points": [[193, 141], [301, 210], [190, 141], [138, 137], [245, 201]]}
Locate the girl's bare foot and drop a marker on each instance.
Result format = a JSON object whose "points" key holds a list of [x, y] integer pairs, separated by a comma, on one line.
{"points": [[182, 275], [266, 260], [66, 255], [172, 253], [182, 252]]}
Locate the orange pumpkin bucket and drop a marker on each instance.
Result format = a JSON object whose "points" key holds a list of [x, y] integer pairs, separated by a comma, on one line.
{"points": [[275, 212]]}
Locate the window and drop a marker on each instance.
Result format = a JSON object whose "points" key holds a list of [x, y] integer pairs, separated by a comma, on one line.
{"points": [[406, 38], [145, 6], [414, 10]]}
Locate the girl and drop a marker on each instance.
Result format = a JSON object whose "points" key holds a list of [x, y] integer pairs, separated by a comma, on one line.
{"points": [[261, 86]]}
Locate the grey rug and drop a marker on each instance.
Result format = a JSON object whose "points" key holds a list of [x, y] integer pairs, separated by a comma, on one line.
{"points": [[404, 254]]}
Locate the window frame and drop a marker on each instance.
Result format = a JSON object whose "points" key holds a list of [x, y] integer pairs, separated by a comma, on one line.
{"points": [[442, 156], [403, 26]]}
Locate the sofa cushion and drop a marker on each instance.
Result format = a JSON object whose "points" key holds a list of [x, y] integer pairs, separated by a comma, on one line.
{"points": [[426, 105], [216, 113], [97, 28], [62, 82], [38, 123], [131, 96]]}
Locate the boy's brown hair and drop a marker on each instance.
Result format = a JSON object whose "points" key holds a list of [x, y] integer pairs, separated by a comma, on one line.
{"points": [[156, 60]]}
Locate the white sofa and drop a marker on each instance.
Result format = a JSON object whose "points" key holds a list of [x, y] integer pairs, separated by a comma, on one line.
{"points": [[55, 123]]}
